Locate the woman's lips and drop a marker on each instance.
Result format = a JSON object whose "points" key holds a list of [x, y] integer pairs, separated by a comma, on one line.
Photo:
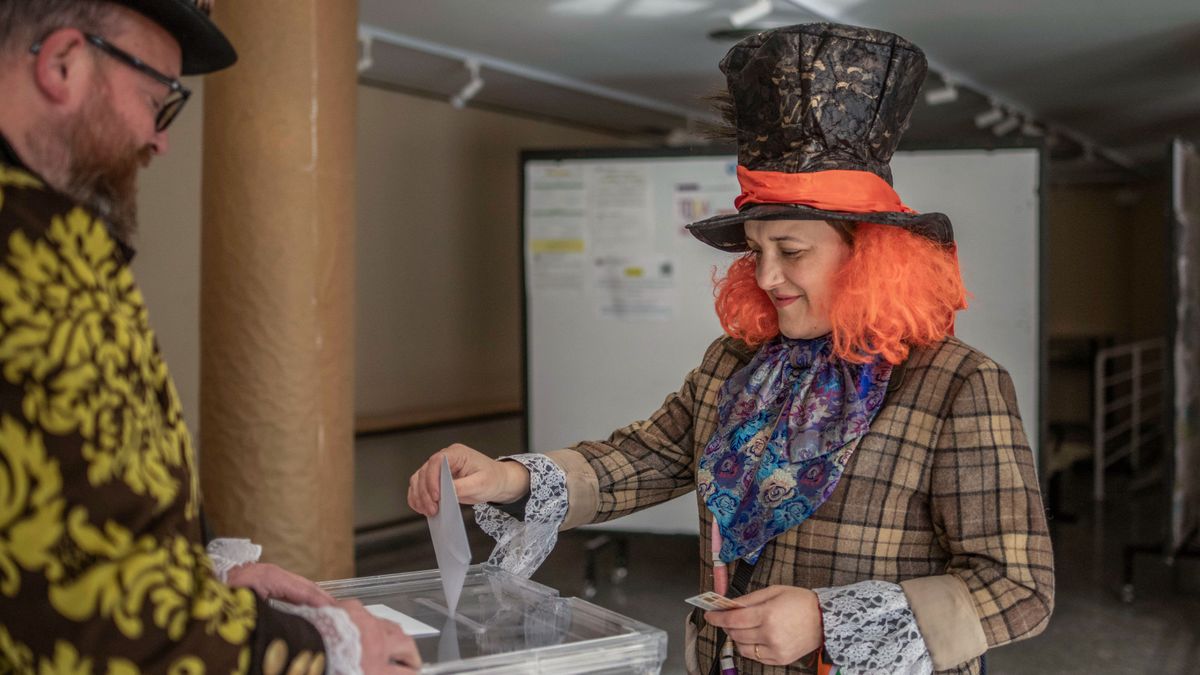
{"points": [[784, 301]]}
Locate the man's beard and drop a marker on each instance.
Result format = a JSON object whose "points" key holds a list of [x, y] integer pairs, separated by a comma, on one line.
{"points": [[101, 163]]}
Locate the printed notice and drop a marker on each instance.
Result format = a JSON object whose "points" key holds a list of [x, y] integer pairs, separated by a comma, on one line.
{"points": [[640, 287], [693, 202], [556, 216], [619, 210]]}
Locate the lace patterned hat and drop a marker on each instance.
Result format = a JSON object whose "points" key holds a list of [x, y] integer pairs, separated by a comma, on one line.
{"points": [[205, 48], [818, 111]]}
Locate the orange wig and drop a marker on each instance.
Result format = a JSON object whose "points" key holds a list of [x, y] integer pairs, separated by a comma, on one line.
{"points": [[896, 290]]}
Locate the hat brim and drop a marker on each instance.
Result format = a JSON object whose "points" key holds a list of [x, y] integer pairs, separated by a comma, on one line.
{"points": [[205, 48], [728, 232]]}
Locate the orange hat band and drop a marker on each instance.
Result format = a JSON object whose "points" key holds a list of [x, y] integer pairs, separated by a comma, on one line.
{"points": [[833, 190]]}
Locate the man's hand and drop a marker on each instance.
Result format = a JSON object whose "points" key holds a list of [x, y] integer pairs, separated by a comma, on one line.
{"points": [[779, 625], [386, 650], [273, 582], [477, 478]]}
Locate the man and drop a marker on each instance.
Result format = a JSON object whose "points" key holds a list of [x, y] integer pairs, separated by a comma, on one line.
{"points": [[102, 567]]}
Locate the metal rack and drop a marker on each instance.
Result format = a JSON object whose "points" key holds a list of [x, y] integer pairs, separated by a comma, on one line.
{"points": [[1129, 402]]}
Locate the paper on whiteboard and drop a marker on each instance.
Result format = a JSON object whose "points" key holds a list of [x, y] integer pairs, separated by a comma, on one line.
{"points": [[619, 209], [635, 287], [411, 626], [556, 221], [695, 201]]}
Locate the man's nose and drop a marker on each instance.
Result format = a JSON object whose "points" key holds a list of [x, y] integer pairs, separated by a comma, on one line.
{"points": [[159, 143]]}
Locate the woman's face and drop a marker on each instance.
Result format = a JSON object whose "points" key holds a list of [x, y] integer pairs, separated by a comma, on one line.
{"points": [[797, 261]]}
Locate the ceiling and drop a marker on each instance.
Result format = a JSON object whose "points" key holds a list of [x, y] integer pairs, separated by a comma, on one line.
{"points": [[1106, 83]]}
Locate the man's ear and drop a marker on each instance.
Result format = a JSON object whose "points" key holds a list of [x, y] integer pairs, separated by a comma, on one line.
{"points": [[63, 66]]}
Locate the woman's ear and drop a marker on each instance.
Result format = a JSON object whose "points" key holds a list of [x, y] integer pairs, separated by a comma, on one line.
{"points": [[62, 68]]}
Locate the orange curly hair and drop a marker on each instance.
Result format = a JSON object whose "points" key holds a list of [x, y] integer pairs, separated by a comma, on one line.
{"points": [[896, 290]]}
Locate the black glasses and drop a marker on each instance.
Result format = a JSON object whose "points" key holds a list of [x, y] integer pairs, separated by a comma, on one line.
{"points": [[176, 97]]}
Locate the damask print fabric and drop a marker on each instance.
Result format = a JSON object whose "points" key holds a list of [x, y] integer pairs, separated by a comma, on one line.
{"points": [[101, 562], [787, 423]]}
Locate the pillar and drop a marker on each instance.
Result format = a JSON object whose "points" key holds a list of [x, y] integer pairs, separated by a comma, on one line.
{"points": [[277, 274]]}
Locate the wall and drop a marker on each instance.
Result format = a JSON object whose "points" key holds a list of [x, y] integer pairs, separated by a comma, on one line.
{"points": [[167, 265], [1106, 280], [439, 278]]}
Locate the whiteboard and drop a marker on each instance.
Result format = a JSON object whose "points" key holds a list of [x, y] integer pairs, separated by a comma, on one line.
{"points": [[618, 296]]}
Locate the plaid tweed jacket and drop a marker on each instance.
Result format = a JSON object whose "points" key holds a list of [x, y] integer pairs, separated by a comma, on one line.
{"points": [[940, 496]]}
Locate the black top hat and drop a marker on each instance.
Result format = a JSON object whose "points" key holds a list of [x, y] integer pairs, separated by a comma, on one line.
{"points": [[818, 110], [205, 48]]}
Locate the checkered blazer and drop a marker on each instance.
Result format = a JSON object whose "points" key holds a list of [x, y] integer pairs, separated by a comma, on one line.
{"points": [[940, 496]]}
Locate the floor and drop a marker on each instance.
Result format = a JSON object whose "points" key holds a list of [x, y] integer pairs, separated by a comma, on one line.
{"points": [[1092, 630]]}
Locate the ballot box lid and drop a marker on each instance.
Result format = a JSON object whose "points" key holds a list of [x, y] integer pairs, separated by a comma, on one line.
{"points": [[506, 624]]}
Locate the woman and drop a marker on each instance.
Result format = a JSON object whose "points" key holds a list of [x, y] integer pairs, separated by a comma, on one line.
{"points": [[865, 474]]}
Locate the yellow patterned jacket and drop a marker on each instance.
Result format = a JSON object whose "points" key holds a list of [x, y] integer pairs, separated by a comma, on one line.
{"points": [[102, 563]]}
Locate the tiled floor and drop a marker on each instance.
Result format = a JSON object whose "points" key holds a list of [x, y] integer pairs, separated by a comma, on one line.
{"points": [[1092, 630]]}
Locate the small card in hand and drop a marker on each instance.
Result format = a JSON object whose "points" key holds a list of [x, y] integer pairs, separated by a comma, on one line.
{"points": [[713, 602]]}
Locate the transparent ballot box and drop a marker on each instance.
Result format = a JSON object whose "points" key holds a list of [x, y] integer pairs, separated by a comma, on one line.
{"points": [[506, 624]]}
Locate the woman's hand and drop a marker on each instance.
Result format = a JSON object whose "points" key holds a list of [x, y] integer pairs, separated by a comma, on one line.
{"points": [[779, 625], [271, 581], [477, 479]]}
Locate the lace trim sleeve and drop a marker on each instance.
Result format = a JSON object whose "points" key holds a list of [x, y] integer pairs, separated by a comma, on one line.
{"points": [[522, 546], [343, 646], [870, 628], [227, 554]]}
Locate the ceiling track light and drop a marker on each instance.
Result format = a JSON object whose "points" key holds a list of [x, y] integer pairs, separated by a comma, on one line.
{"points": [[471, 88], [365, 60], [947, 93], [989, 117], [747, 15], [1007, 125]]}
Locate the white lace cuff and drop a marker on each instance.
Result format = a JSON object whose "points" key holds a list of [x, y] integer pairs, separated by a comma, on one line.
{"points": [[227, 554], [870, 629], [343, 645], [522, 546]]}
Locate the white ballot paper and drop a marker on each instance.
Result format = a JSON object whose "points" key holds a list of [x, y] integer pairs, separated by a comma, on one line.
{"points": [[450, 540], [411, 626]]}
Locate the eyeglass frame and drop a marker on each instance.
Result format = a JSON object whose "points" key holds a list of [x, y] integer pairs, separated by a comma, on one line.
{"points": [[177, 95]]}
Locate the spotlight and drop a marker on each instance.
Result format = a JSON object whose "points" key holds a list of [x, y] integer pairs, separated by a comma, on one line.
{"points": [[947, 93], [1006, 125], [365, 60], [989, 117], [1032, 129], [471, 88], [750, 13]]}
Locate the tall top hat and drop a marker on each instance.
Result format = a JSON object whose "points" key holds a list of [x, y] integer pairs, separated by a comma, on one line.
{"points": [[818, 110]]}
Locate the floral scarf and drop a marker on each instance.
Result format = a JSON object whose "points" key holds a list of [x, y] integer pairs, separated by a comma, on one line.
{"points": [[786, 428]]}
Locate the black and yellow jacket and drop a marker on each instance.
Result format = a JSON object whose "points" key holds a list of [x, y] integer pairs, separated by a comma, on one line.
{"points": [[102, 563]]}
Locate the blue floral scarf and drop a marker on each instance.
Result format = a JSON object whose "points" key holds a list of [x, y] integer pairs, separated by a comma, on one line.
{"points": [[786, 428]]}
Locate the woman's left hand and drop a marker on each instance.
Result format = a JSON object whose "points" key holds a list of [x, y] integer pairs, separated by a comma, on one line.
{"points": [[779, 625]]}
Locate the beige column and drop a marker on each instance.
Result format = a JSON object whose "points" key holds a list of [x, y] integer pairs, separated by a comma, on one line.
{"points": [[277, 274]]}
